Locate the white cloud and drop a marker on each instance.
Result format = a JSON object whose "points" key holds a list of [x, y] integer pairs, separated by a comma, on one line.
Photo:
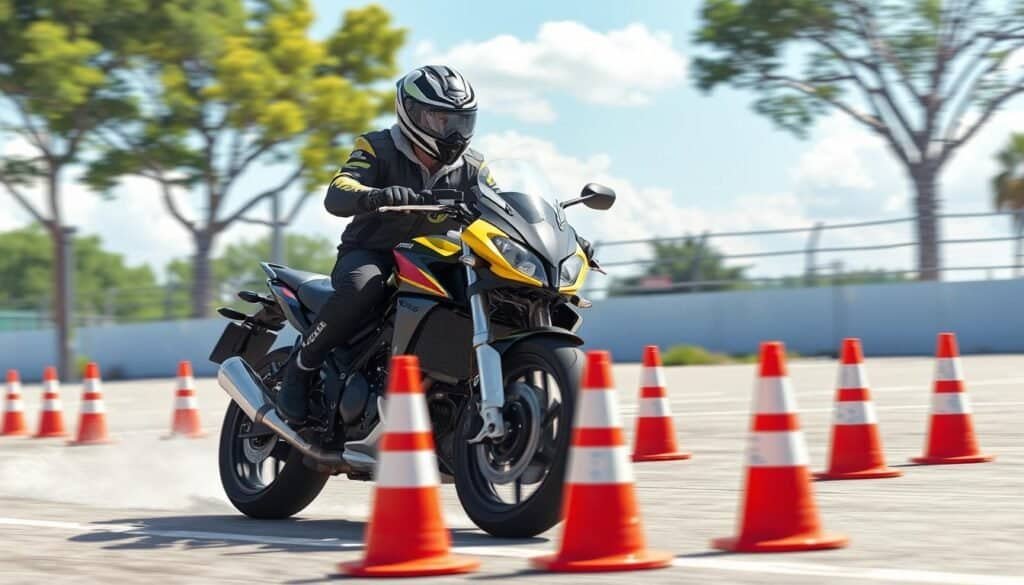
{"points": [[623, 67]]}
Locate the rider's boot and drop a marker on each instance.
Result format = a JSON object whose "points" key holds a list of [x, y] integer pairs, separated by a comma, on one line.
{"points": [[295, 383]]}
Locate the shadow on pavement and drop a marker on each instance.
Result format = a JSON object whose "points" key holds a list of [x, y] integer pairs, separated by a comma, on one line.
{"points": [[234, 531]]}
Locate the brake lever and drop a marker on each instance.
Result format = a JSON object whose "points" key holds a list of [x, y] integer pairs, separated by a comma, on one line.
{"points": [[596, 267]]}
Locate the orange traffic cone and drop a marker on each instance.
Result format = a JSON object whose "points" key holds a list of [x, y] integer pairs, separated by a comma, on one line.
{"points": [[186, 407], [92, 424], [51, 418], [655, 436], [951, 433], [603, 530], [406, 536], [779, 513], [856, 444], [14, 408]]}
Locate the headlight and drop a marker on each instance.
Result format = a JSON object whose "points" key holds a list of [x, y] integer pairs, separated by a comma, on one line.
{"points": [[570, 270], [520, 258]]}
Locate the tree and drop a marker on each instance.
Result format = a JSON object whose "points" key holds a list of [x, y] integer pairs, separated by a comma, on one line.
{"points": [[227, 85], [909, 71], [239, 266], [1008, 188], [100, 276], [678, 262], [59, 80]]}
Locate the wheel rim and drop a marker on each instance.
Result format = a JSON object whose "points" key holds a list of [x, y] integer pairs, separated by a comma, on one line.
{"points": [[257, 459], [511, 471]]}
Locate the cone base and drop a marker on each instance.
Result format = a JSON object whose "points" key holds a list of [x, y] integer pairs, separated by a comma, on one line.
{"points": [[979, 458], [52, 435], [676, 456], [442, 565], [814, 541], [644, 559], [179, 435], [876, 473], [85, 442], [15, 433]]}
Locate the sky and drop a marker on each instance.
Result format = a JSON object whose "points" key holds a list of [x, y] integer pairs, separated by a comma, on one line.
{"points": [[602, 91]]}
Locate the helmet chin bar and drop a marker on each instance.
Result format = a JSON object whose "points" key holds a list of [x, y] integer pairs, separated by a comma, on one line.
{"points": [[448, 153]]}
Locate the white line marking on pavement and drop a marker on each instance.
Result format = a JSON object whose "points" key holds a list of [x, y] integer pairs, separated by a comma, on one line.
{"points": [[714, 564], [829, 409]]}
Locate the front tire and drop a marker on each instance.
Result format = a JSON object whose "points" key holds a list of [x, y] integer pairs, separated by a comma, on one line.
{"points": [[535, 371], [263, 476]]}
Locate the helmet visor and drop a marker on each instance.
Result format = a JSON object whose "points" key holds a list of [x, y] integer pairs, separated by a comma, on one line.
{"points": [[443, 125]]}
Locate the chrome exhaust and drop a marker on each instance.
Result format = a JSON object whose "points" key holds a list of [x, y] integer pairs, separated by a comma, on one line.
{"points": [[244, 386]]}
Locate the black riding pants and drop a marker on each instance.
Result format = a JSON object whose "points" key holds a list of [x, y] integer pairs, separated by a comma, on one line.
{"points": [[360, 285]]}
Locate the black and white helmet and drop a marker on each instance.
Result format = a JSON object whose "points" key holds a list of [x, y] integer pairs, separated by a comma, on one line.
{"points": [[437, 111]]}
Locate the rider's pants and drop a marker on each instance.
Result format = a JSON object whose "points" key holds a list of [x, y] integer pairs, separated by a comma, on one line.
{"points": [[360, 285]]}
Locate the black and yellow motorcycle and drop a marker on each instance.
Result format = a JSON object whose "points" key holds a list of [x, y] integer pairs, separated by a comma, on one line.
{"points": [[491, 311]]}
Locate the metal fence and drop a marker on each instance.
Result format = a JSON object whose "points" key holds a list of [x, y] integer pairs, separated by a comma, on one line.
{"points": [[807, 261]]}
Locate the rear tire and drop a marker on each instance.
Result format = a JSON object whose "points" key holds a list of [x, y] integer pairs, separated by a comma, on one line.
{"points": [[294, 485], [563, 362]]}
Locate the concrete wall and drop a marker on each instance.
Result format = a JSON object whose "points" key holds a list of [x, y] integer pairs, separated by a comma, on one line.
{"points": [[892, 319]]}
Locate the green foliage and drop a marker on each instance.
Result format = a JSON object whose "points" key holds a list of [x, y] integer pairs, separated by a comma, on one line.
{"points": [[1008, 185], [687, 260], [102, 279], [693, 355]]}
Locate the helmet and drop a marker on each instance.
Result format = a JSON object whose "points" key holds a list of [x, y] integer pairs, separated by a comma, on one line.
{"points": [[437, 111]]}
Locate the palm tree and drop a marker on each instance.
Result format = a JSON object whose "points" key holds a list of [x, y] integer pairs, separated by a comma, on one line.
{"points": [[1008, 187]]}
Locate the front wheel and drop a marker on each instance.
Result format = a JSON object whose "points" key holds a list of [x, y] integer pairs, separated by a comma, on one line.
{"points": [[263, 476], [513, 488]]}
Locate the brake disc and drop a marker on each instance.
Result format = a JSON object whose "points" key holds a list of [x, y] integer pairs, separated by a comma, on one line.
{"points": [[502, 462], [257, 449]]}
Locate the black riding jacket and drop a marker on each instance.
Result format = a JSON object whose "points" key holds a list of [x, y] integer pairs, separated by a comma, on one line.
{"points": [[382, 159]]}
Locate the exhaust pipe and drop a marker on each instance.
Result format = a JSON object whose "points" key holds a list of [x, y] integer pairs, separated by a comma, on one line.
{"points": [[242, 384]]}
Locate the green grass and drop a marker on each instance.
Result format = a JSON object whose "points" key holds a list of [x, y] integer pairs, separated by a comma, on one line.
{"points": [[695, 355]]}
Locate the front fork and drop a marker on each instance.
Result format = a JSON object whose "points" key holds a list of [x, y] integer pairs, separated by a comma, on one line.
{"points": [[488, 360]]}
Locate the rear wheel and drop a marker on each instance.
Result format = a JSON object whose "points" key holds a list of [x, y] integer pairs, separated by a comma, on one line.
{"points": [[263, 476], [513, 487]]}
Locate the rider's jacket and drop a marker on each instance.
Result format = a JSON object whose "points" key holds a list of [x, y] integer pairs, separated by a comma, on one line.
{"points": [[382, 159]]}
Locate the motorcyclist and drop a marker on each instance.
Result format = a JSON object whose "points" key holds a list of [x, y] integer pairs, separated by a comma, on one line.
{"points": [[428, 148]]}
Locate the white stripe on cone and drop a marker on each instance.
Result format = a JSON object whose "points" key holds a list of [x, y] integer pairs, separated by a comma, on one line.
{"points": [[52, 405], [91, 385], [777, 449], [186, 403], [853, 376], [950, 403], [51, 386], [14, 405], [652, 377], [14, 387], [947, 369], [93, 406], [774, 396], [186, 383], [855, 413], [598, 409], [600, 465], [407, 413], [654, 408], [407, 469]]}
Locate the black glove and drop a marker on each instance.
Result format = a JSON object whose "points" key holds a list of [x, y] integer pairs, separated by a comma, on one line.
{"points": [[390, 197], [588, 248]]}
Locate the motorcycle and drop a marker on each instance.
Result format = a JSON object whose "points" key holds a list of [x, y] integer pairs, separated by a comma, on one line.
{"points": [[491, 310]]}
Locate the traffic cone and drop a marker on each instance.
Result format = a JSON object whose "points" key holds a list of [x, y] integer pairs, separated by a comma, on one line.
{"points": [[655, 436], [856, 444], [951, 433], [186, 407], [603, 530], [406, 536], [779, 513], [92, 423], [14, 408], [51, 417]]}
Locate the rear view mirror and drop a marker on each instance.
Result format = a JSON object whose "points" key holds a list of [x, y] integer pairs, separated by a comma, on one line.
{"points": [[597, 196], [593, 196]]}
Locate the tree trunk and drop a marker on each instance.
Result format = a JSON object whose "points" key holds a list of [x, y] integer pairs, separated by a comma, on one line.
{"points": [[202, 275], [926, 206], [63, 263]]}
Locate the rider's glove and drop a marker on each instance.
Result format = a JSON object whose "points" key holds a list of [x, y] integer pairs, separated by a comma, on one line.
{"points": [[588, 248], [390, 197]]}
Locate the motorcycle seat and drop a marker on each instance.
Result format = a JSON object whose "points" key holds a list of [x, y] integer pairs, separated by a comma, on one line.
{"points": [[314, 293], [294, 279]]}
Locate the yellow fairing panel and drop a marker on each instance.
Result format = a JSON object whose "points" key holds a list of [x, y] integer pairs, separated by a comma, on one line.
{"points": [[576, 286], [443, 246], [478, 236]]}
